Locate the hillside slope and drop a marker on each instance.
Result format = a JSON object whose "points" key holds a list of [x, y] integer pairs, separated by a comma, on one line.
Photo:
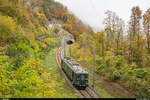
{"points": [[24, 60]]}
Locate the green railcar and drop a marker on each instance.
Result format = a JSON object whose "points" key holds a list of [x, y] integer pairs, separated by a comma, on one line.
{"points": [[75, 72]]}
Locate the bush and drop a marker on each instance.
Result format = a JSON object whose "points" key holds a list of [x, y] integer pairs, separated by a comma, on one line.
{"points": [[119, 62], [100, 69], [133, 66], [98, 60], [108, 62], [57, 29], [140, 73], [143, 91], [17, 49], [116, 75], [7, 29], [20, 51], [128, 74], [112, 74]]}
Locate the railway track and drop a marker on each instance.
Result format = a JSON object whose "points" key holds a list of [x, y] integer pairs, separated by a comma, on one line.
{"points": [[87, 93]]}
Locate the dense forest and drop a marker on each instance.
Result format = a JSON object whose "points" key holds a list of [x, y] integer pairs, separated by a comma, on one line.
{"points": [[122, 52]]}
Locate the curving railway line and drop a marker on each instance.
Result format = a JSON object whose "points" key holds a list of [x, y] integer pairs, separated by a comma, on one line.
{"points": [[87, 93]]}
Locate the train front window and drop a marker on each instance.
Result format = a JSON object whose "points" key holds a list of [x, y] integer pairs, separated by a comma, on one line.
{"points": [[82, 77]]}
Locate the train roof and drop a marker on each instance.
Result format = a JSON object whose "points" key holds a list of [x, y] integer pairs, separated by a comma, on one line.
{"points": [[74, 65]]}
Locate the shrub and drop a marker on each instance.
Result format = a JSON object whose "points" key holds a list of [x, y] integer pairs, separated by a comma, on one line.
{"points": [[100, 69], [118, 62], [133, 66], [116, 75], [7, 29], [98, 60], [57, 29], [128, 74], [108, 62], [109, 73], [140, 73], [142, 87]]}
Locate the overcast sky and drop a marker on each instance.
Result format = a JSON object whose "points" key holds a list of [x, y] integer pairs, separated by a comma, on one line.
{"points": [[92, 11]]}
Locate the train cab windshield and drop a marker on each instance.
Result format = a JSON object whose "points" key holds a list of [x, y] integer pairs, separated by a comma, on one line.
{"points": [[82, 77]]}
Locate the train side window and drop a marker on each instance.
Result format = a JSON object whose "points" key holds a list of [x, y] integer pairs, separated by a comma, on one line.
{"points": [[86, 76]]}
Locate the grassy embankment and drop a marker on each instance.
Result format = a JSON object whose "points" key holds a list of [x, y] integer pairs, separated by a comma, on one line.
{"points": [[52, 68]]}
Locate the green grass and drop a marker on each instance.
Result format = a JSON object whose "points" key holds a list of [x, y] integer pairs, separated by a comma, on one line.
{"points": [[52, 68]]}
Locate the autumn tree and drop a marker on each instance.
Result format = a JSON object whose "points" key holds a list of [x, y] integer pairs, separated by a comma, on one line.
{"points": [[99, 39], [114, 28], [12, 8], [7, 29], [108, 28], [120, 26], [134, 34], [146, 24]]}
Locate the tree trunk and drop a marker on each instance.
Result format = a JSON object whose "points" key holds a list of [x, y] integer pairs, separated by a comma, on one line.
{"points": [[148, 43]]}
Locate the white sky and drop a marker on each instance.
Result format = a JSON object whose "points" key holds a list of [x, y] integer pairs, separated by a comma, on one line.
{"points": [[92, 11]]}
